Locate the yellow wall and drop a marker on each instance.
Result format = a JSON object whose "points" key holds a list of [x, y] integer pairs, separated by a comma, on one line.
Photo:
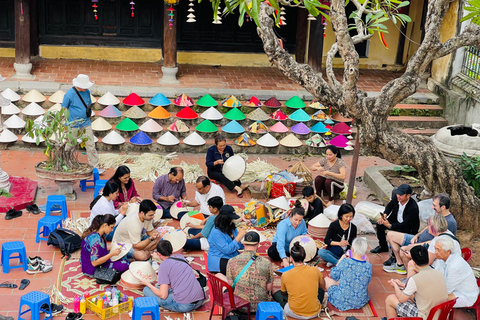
{"points": [[101, 53], [7, 52]]}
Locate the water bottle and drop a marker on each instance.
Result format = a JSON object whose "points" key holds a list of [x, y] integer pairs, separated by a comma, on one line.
{"points": [[76, 304]]}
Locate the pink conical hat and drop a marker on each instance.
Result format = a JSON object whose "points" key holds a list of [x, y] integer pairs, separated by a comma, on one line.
{"points": [[339, 141], [279, 127], [341, 128]]}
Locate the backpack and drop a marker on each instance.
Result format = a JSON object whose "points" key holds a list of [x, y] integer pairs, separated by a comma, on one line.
{"points": [[67, 240]]}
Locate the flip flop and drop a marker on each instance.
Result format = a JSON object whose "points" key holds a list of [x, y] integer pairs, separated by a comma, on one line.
{"points": [[8, 284], [23, 284], [240, 195]]}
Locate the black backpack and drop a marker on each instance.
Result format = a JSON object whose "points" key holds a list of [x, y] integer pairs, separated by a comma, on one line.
{"points": [[67, 240]]}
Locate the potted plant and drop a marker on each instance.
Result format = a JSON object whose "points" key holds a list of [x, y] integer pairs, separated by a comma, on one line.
{"points": [[62, 163]]}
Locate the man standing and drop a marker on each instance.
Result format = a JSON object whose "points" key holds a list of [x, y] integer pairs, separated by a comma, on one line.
{"points": [[250, 274], [168, 189], [205, 191], [77, 101]]}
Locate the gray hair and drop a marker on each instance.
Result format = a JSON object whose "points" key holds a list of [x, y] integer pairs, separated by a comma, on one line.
{"points": [[359, 245], [447, 244]]}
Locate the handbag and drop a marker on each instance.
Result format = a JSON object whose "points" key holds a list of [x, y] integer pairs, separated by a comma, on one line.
{"points": [[106, 275], [88, 110]]}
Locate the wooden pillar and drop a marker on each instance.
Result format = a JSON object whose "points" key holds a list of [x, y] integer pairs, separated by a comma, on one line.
{"points": [[169, 40], [301, 36], [22, 63], [315, 44], [34, 34]]}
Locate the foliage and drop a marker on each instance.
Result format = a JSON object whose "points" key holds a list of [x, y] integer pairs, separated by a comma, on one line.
{"points": [[474, 10], [404, 169], [5, 193], [470, 167]]}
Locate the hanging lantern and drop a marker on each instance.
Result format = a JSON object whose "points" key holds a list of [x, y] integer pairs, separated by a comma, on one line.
{"points": [[311, 17], [283, 20], [94, 6], [171, 11], [191, 16], [132, 8]]}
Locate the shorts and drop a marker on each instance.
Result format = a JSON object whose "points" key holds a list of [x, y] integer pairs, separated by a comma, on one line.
{"points": [[407, 309], [406, 239]]}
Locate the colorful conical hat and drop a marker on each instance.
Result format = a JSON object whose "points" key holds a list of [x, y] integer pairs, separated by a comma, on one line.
{"points": [[295, 102], [319, 128], [279, 127], [10, 95], [235, 114], [316, 105], [339, 141], [273, 103], [207, 101], [291, 141], [101, 124], [244, 140], [212, 114], [278, 115], [57, 97], [33, 109], [108, 99], [133, 100], [257, 127], [135, 113], [194, 139], [338, 117], [7, 136], [55, 108], [258, 115], [183, 101], [341, 128], [329, 121], [159, 100], [319, 116], [127, 125], [159, 113], [231, 102], [178, 126], [300, 115], [177, 238], [233, 127], [26, 138], [10, 109], [254, 102], [267, 140], [141, 139], [300, 128], [15, 122], [113, 138], [34, 96], [111, 112], [187, 113], [206, 126], [168, 139], [316, 141], [151, 126]]}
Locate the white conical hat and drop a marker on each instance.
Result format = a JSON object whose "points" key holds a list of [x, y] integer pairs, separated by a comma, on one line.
{"points": [[168, 139], [108, 99], [33, 109], [55, 108], [27, 139], [212, 114], [320, 221], [267, 140], [34, 96], [10, 95], [57, 97], [4, 101], [348, 148], [101, 125], [291, 141], [114, 138], [129, 279], [280, 202], [7, 136], [125, 247], [177, 238], [151, 126], [14, 122], [194, 139], [234, 168], [143, 270], [10, 109], [93, 99], [177, 207]]}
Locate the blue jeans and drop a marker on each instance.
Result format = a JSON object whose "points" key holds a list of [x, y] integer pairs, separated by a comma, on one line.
{"points": [[171, 304], [194, 232], [328, 256]]}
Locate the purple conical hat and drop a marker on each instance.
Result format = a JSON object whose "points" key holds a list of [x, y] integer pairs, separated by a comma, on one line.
{"points": [[300, 128], [111, 112], [339, 141]]}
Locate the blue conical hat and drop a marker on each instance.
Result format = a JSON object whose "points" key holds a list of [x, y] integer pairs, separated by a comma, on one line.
{"points": [[141, 139], [319, 127], [329, 121], [233, 127], [159, 100], [300, 116]]}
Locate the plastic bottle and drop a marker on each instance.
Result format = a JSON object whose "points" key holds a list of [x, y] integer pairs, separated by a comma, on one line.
{"points": [[86, 294], [76, 304], [100, 303], [83, 305], [124, 298]]}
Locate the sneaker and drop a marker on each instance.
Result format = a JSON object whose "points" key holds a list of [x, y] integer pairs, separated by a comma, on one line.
{"points": [[38, 268], [329, 265], [101, 170], [37, 259], [390, 268], [12, 214], [74, 316], [33, 208], [56, 309], [390, 261], [400, 269]]}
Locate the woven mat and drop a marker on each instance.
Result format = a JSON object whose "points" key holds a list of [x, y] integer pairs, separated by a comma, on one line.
{"points": [[366, 311]]}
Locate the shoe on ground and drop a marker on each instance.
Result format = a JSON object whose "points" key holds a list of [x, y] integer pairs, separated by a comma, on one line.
{"points": [[33, 208], [74, 316], [379, 250], [101, 170], [37, 259], [38, 268], [55, 308], [400, 269], [390, 268], [329, 265], [2, 317], [12, 214], [390, 261]]}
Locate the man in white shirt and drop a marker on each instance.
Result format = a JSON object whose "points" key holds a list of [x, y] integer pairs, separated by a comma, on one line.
{"points": [[205, 191]]}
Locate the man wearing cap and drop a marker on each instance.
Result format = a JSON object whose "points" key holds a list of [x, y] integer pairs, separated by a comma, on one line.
{"points": [[205, 191], [77, 101], [251, 273], [168, 189]]}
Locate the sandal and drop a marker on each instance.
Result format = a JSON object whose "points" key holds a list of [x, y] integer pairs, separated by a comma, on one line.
{"points": [[23, 284], [8, 284], [240, 195]]}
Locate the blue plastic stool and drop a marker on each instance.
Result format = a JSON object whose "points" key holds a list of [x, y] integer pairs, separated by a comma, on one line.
{"points": [[269, 309], [83, 183], [48, 224], [8, 248], [147, 305], [99, 184], [34, 300], [58, 201]]}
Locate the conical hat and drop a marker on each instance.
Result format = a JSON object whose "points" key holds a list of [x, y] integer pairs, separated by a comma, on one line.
{"points": [[177, 207], [141, 139], [158, 213], [10, 109], [231, 102], [178, 126], [278, 115], [143, 270], [291, 141], [233, 127], [27, 139], [234, 168], [341, 128], [95, 139], [33, 109], [300, 128], [111, 112], [125, 247], [194, 217], [183, 101], [279, 127], [187, 113], [128, 281], [295, 102], [108, 99], [319, 116], [113, 138], [39, 121], [320, 221], [194, 139], [133, 100], [135, 113], [244, 140], [10, 95], [329, 121], [272, 103], [267, 140], [93, 99], [127, 125], [151, 126], [168, 139], [258, 115], [319, 128], [159, 100], [339, 141], [308, 244], [257, 127], [14, 122], [207, 101], [4, 101], [316, 141], [300, 115], [34, 96], [159, 113], [55, 108], [316, 105], [206, 126], [57, 97], [338, 117], [212, 114], [177, 238], [280, 202], [7, 136], [101, 124], [349, 148], [234, 114], [254, 102]]}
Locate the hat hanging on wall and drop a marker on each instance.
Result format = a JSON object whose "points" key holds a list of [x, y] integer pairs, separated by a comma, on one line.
{"points": [[15, 122], [279, 127], [258, 115], [206, 126], [212, 114], [300, 115], [194, 139], [183, 101], [231, 102], [338, 117], [159, 113], [133, 100], [159, 100], [101, 124], [244, 140], [141, 139], [127, 125], [235, 114], [113, 138], [110, 112], [267, 140], [178, 126], [295, 102], [319, 127], [339, 141], [319, 116], [291, 141], [316, 141], [151, 126], [272, 103], [254, 102], [57, 97], [233, 127], [168, 139], [10, 109], [26, 138], [7, 136], [341, 128], [257, 127], [55, 108], [33, 109], [207, 101], [187, 113], [10, 95], [300, 128], [278, 115], [108, 99], [34, 96], [135, 113]]}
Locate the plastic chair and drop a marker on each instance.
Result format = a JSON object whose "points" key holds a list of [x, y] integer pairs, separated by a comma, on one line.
{"points": [[148, 305], [9, 248], [475, 306], [228, 301], [99, 184], [83, 183], [48, 224], [466, 254], [215, 308], [57, 200], [407, 318], [34, 300], [269, 309], [443, 309]]}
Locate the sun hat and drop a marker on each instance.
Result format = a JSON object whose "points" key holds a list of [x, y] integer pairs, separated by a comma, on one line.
{"points": [[231, 102], [267, 140], [10, 95], [207, 101], [194, 217], [244, 140], [235, 114], [187, 113], [82, 81], [133, 100], [33, 109], [229, 211], [11, 109], [178, 126], [341, 128], [177, 238], [168, 139], [7, 136], [295, 102], [194, 139], [278, 115], [151, 126], [300, 128], [257, 127], [26, 138], [135, 113], [206, 126], [127, 125], [143, 270], [108, 99], [319, 116], [159, 100], [141, 139], [110, 112], [279, 127], [101, 124], [291, 141], [183, 101], [251, 238], [272, 103], [234, 168], [300, 116], [14, 122], [113, 138], [233, 127], [280, 202], [319, 128], [254, 102], [308, 244], [125, 247], [258, 115], [338, 117], [159, 113], [57, 97], [212, 114]]}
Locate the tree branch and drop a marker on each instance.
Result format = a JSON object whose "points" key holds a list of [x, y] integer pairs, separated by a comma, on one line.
{"points": [[471, 36]]}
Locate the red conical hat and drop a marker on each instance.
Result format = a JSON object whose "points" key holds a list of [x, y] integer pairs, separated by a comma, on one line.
{"points": [[187, 113], [133, 100]]}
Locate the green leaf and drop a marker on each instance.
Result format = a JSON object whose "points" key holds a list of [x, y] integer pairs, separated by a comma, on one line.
{"points": [[403, 4], [256, 11], [404, 17]]}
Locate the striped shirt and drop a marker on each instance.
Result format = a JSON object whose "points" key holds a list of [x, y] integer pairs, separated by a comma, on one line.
{"points": [[339, 163], [164, 188]]}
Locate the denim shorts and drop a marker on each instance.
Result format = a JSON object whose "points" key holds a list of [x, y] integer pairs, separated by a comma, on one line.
{"points": [[406, 239]]}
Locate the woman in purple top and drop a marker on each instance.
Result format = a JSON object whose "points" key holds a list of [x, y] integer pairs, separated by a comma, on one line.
{"points": [[127, 192], [94, 252]]}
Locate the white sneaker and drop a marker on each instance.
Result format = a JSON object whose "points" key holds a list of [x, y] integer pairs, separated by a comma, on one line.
{"points": [[329, 265], [101, 170]]}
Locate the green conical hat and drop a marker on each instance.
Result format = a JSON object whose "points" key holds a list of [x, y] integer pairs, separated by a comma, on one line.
{"points": [[127, 125], [234, 114], [207, 101], [206, 126], [295, 102]]}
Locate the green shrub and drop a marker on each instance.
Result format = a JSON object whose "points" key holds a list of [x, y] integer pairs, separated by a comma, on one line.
{"points": [[470, 167]]}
